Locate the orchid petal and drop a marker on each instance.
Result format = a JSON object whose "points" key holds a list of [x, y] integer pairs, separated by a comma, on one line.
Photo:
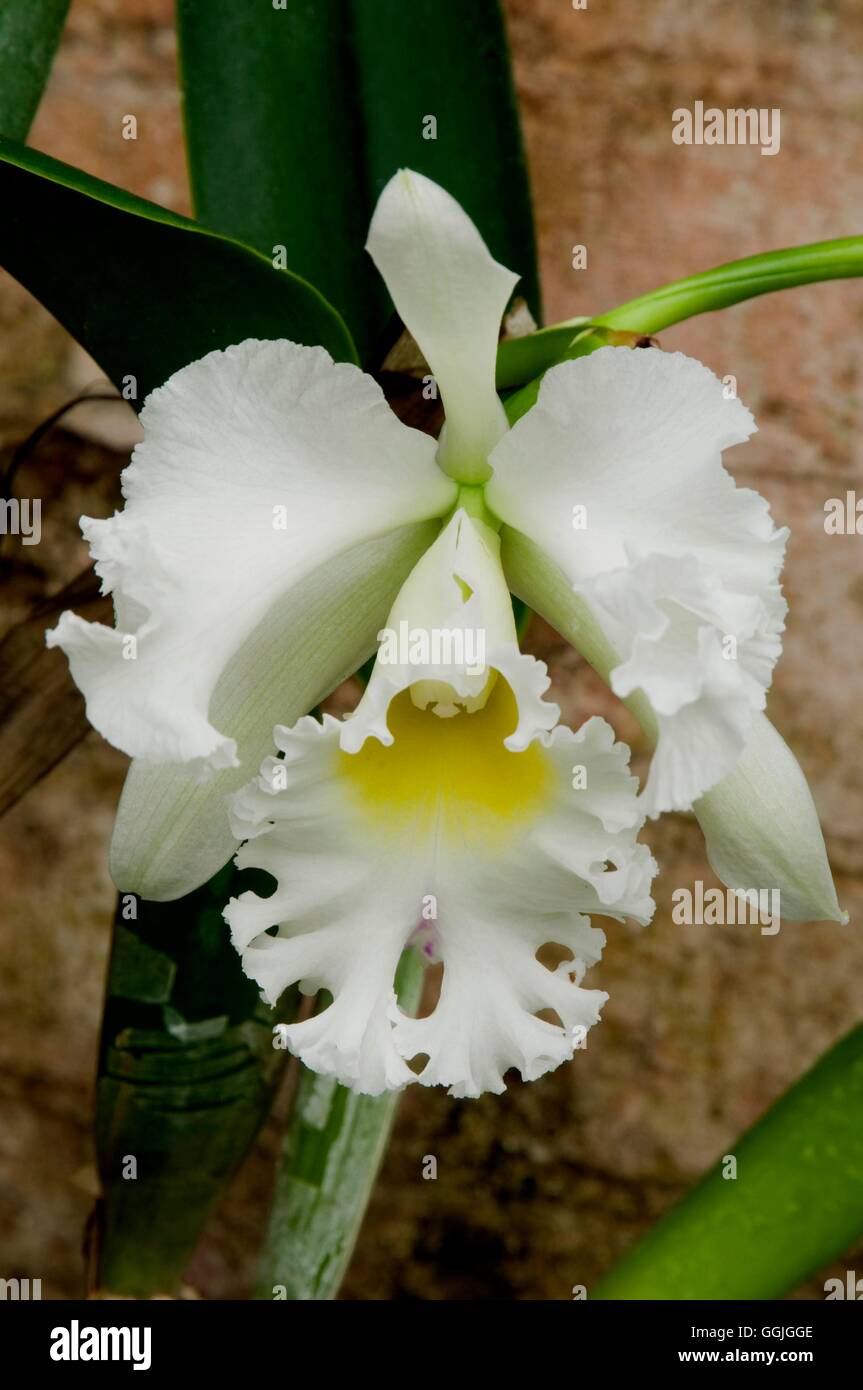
{"points": [[451, 295], [761, 830], [506, 874], [670, 618], [616, 475], [760, 822], [453, 621], [259, 464], [172, 831]]}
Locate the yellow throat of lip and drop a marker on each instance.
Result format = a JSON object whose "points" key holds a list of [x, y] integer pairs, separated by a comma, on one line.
{"points": [[451, 776]]}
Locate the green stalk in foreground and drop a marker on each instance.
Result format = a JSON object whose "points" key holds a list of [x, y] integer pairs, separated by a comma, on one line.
{"points": [[520, 359], [795, 1204], [333, 1147]]}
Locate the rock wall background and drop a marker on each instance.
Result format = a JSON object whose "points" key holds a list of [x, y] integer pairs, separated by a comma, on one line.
{"points": [[545, 1186]]}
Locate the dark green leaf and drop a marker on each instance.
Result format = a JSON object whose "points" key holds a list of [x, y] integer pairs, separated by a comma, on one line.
{"points": [[795, 1204], [186, 1075], [30, 31], [448, 60], [144, 290], [295, 119], [275, 141]]}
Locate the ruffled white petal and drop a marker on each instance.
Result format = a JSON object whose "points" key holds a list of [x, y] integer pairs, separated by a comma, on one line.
{"points": [[761, 830], [580, 858], [616, 474], [760, 823], [333, 933], [259, 464], [671, 619], [352, 886], [451, 295], [449, 635]]}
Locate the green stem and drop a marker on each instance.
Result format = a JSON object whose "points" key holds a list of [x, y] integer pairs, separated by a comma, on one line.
{"points": [[521, 358], [736, 281], [333, 1147], [791, 1202]]}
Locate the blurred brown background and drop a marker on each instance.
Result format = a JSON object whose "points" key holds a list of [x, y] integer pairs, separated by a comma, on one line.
{"points": [[544, 1187]]}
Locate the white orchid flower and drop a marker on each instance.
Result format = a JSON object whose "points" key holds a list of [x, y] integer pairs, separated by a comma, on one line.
{"points": [[445, 808], [277, 512]]}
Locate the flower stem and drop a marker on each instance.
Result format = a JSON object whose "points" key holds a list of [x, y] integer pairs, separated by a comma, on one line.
{"points": [[334, 1144], [519, 358]]}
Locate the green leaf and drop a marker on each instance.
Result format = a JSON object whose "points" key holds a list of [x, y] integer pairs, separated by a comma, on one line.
{"points": [[296, 118], [187, 1072], [274, 141], [448, 60], [142, 289], [332, 1151], [795, 1205], [30, 31]]}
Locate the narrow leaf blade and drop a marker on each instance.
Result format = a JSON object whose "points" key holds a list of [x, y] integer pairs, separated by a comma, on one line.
{"points": [[30, 31], [275, 142], [445, 62], [358, 78], [795, 1204]]}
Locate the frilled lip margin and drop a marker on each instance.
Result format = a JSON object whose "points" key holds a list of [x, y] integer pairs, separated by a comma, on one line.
{"points": [[349, 898]]}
